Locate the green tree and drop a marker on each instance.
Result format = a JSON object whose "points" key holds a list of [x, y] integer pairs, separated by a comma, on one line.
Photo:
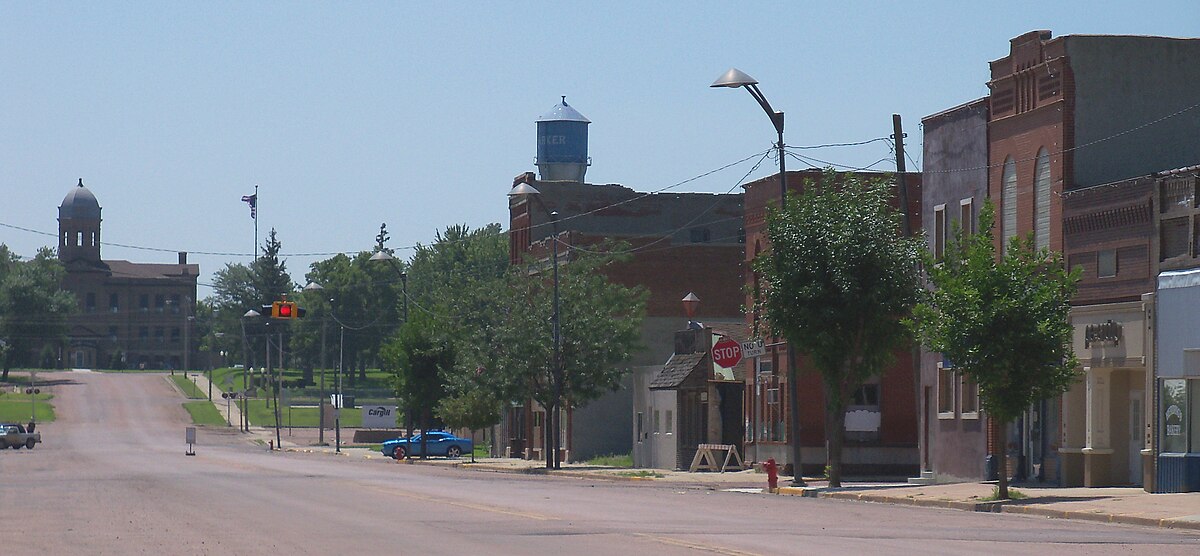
{"points": [[600, 328], [33, 307], [1003, 321], [239, 288], [418, 361], [475, 409], [838, 279]]}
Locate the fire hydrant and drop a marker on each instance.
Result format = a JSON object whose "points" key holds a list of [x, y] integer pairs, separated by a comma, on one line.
{"points": [[772, 470]]}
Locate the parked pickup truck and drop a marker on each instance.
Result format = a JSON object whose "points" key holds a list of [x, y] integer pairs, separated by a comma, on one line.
{"points": [[13, 434]]}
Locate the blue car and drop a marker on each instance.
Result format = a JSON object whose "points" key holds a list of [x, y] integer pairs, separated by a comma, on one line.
{"points": [[437, 442]]}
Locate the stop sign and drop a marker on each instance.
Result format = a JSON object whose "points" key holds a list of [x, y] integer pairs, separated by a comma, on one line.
{"points": [[727, 353]]}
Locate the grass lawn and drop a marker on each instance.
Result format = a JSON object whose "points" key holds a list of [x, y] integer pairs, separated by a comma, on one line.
{"points": [[623, 460], [204, 413], [305, 416], [15, 408], [189, 388]]}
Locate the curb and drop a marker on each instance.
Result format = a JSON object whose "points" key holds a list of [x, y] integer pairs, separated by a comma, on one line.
{"points": [[1002, 507]]}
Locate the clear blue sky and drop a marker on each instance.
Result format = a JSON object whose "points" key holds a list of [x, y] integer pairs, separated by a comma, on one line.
{"points": [[350, 114]]}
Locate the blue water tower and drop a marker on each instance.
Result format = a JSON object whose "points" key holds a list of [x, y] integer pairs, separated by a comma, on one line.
{"points": [[562, 144]]}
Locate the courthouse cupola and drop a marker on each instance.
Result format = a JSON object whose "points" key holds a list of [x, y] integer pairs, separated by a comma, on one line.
{"points": [[79, 226]]}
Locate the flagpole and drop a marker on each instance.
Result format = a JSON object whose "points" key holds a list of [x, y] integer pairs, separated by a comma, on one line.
{"points": [[256, 222]]}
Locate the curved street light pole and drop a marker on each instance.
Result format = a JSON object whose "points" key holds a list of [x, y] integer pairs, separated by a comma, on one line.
{"points": [[553, 414], [733, 79]]}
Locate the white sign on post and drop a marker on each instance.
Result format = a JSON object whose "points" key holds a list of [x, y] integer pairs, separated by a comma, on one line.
{"points": [[754, 348], [379, 416]]}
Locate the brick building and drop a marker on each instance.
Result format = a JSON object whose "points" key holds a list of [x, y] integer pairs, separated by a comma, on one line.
{"points": [[130, 314], [881, 423], [1068, 113], [679, 243]]}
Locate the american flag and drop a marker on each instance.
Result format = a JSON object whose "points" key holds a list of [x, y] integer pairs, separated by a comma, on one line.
{"points": [[253, 200]]}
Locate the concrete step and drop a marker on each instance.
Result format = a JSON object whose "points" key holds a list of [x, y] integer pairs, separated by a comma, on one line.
{"points": [[926, 478]]}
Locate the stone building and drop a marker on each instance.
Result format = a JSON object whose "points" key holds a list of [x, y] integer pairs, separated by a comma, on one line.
{"points": [[953, 189], [130, 315]]}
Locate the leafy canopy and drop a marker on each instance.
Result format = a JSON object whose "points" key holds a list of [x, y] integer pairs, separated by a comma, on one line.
{"points": [[1003, 321], [839, 278]]}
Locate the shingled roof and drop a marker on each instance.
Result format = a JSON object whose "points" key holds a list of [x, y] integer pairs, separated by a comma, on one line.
{"points": [[677, 369]]}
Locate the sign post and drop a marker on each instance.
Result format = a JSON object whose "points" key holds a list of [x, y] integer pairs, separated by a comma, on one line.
{"points": [[189, 436]]}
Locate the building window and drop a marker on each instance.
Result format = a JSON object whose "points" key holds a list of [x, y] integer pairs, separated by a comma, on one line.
{"points": [[638, 424], [112, 334], [114, 304], [175, 335], [670, 422], [1041, 200], [90, 302], [945, 406], [657, 421], [968, 396], [159, 336], [966, 216], [701, 235], [867, 396], [939, 231], [768, 407], [144, 303], [1174, 234], [78, 239], [160, 302], [143, 333], [1008, 199], [175, 303], [1106, 263]]}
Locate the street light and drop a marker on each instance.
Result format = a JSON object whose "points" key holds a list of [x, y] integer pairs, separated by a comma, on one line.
{"points": [[384, 256], [733, 79], [314, 287], [524, 190]]}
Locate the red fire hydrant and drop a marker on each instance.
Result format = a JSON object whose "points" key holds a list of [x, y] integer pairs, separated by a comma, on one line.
{"points": [[772, 470]]}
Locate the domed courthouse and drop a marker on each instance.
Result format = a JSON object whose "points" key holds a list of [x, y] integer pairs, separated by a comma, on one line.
{"points": [[130, 315]]}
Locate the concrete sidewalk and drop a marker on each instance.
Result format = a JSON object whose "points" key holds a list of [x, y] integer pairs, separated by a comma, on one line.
{"points": [[1128, 505]]}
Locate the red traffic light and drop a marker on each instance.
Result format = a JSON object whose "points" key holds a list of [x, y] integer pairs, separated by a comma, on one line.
{"points": [[285, 310]]}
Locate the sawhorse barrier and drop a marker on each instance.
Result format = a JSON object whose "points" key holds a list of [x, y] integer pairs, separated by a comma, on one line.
{"points": [[706, 458]]}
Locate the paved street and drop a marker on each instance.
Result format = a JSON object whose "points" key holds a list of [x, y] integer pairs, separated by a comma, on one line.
{"points": [[112, 478]]}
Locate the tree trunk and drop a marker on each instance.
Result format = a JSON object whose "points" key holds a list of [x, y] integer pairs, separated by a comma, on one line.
{"points": [[408, 422], [1000, 456], [424, 433], [548, 437], [835, 434]]}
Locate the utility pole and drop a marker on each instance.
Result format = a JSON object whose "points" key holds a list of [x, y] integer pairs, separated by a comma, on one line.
{"points": [[321, 396], [902, 187]]}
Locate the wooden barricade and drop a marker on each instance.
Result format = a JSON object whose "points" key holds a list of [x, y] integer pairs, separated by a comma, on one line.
{"points": [[707, 457]]}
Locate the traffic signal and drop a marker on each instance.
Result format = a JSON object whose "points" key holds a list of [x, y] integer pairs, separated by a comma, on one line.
{"points": [[286, 310]]}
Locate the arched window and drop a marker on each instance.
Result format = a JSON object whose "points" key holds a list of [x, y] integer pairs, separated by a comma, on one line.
{"points": [[1041, 200], [1009, 197]]}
